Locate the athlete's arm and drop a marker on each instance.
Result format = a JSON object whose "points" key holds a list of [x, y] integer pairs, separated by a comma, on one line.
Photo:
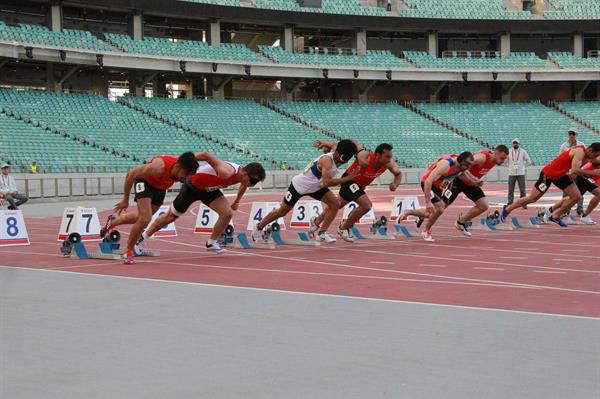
{"points": [[395, 170], [240, 193], [467, 177], [223, 169], [325, 164], [155, 168], [363, 158], [326, 146], [436, 174], [576, 162]]}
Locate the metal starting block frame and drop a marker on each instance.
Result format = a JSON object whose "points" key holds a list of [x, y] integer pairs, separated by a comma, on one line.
{"points": [[489, 225], [107, 250], [242, 241]]}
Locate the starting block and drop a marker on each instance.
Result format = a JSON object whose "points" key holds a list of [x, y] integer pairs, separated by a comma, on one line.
{"points": [[303, 239], [379, 234], [482, 225], [531, 223], [109, 248], [242, 241], [570, 219], [404, 231]]}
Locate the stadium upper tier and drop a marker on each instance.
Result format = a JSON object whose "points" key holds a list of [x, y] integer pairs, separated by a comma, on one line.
{"points": [[476, 60], [417, 141], [461, 9], [568, 60], [372, 59], [242, 123], [588, 112], [110, 125], [352, 7], [541, 129], [183, 48], [573, 9]]}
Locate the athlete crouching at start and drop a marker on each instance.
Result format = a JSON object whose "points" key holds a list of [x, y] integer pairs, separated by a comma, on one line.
{"points": [[206, 186]]}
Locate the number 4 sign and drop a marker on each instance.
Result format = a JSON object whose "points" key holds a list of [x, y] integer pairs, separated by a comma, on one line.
{"points": [[400, 204], [80, 220], [260, 210], [12, 229]]}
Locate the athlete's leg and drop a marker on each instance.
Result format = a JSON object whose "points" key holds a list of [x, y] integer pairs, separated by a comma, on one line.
{"points": [[594, 201], [319, 219], [422, 213], [272, 216], [144, 212], [533, 196], [574, 196], [161, 222], [438, 210], [222, 207], [125, 218], [332, 205], [481, 206], [364, 206]]}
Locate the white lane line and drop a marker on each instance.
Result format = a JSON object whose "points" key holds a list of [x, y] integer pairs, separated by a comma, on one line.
{"points": [[382, 263], [527, 249], [427, 265], [465, 256], [417, 253], [488, 268], [514, 257], [568, 260], [548, 271], [337, 260], [575, 250]]}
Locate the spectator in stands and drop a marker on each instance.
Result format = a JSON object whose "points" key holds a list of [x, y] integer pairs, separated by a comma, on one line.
{"points": [[570, 143], [8, 189], [284, 166], [33, 168], [518, 159], [389, 5]]}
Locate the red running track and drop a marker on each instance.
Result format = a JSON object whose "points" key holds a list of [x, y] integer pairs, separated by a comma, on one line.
{"points": [[551, 270]]}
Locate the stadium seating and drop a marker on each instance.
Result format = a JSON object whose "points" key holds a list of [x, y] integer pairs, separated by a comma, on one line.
{"points": [[351, 7], [372, 59], [23, 142], [235, 3], [34, 34], [109, 125], [567, 60], [588, 112], [183, 49], [461, 9], [417, 141], [574, 9], [541, 129], [477, 60], [241, 123]]}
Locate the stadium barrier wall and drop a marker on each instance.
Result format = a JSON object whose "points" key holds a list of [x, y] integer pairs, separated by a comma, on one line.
{"points": [[57, 186]]}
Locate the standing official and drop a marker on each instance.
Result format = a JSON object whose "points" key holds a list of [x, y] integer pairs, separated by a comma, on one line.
{"points": [[518, 159]]}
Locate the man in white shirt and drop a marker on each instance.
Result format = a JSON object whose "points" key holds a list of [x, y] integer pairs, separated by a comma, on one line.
{"points": [[518, 159], [570, 143], [8, 189]]}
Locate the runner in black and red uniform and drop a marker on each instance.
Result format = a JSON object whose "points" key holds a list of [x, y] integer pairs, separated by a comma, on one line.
{"points": [[561, 172], [436, 184], [150, 182], [205, 185], [369, 166]]}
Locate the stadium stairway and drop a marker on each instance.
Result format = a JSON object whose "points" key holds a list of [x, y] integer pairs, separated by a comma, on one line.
{"points": [[575, 118]]}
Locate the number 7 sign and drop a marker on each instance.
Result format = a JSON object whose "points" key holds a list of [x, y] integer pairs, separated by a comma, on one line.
{"points": [[80, 220]]}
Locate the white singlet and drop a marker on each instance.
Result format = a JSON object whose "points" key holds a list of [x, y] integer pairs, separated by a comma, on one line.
{"points": [[311, 180]]}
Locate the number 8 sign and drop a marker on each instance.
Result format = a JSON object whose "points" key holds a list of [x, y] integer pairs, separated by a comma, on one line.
{"points": [[12, 229]]}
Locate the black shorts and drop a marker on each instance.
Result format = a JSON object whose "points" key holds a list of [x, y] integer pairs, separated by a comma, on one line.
{"points": [[351, 192], [473, 193], [585, 185], [189, 194], [145, 190], [439, 195], [543, 183], [292, 196]]}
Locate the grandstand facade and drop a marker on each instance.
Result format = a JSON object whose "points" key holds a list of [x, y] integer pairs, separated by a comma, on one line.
{"points": [[104, 84]]}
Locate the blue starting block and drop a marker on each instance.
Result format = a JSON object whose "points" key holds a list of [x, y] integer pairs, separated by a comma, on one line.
{"points": [[402, 230], [531, 223], [381, 234], [243, 242], [303, 239]]}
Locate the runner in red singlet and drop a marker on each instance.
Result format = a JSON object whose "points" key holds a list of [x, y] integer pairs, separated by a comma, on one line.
{"points": [[470, 183], [205, 185], [369, 166], [151, 182], [561, 172], [590, 185], [436, 184]]}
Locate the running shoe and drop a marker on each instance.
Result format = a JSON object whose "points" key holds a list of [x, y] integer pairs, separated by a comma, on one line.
{"points": [[215, 247], [107, 226], [418, 223], [257, 234], [128, 258], [558, 221], [587, 220], [503, 214], [463, 227], [312, 227], [427, 236], [325, 237], [346, 234], [140, 246]]}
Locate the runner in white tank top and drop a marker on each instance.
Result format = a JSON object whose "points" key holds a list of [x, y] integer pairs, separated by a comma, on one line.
{"points": [[314, 182]]}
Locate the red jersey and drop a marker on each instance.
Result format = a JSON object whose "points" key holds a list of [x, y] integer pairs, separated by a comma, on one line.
{"points": [[478, 171], [163, 182], [449, 176], [561, 165], [206, 178], [591, 166], [366, 175]]}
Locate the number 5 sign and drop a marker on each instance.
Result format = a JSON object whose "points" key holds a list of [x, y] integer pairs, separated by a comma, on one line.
{"points": [[12, 229], [205, 222], [80, 220]]}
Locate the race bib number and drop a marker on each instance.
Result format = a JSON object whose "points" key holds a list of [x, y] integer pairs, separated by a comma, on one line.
{"points": [[447, 194], [288, 196], [354, 188], [140, 187], [543, 187]]}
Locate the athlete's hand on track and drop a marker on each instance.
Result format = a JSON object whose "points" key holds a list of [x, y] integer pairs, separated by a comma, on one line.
{"points": [[235, 205], [121, 206], [393, 187]]}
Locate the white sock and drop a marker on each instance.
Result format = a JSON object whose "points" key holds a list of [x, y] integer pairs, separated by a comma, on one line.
{"points": [[145, 235]]}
